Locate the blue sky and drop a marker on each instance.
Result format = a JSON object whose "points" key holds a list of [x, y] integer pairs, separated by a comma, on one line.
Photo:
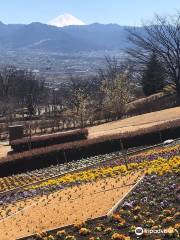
{"points": [[123, 12]]}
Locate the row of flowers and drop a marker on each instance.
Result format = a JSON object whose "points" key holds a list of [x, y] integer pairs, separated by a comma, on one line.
{"points": [[20, 180], [167, 161], [159, 166]]}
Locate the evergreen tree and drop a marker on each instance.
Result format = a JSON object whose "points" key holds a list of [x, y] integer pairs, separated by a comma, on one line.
{"points": [[153, 79]]}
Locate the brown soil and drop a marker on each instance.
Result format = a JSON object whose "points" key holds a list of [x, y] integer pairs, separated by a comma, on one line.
{"points": [[69, 206]]}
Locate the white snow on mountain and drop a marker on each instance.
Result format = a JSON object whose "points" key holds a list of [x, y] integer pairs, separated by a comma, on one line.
{"points": [[65, 20]]}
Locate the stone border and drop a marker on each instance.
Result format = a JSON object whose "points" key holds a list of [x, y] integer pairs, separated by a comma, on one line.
{"points": [[118, 204]]}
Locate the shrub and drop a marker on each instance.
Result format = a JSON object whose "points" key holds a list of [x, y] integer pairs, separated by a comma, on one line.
{"points": [[42, 157], [26, 143]]}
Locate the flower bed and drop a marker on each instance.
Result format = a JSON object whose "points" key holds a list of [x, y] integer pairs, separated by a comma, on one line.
{"points": [[99, 170], [158, 194], [153, 205], [67, 206], [169, 163], [159, 166], [19, 180]]}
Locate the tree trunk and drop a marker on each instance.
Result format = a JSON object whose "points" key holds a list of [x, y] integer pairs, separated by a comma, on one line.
{"points": [[178, 91]]}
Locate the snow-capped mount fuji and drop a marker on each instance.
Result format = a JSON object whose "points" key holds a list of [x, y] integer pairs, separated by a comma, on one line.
{"points": [[65, 20]]}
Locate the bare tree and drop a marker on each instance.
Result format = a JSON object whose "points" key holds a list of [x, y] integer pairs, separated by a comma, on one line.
{"points": [[115, 87], [7, 90], [162, 37], [78, 98], [110, 70], [29, 90], [7, 82], [20, 88], [117, 95]]}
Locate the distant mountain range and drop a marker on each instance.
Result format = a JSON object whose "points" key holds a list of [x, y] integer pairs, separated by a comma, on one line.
{"points": [[43, 37]]}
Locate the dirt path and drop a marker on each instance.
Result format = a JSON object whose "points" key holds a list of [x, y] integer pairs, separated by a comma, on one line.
{"points": [[134, 123], [69, 206], [4, 150]]}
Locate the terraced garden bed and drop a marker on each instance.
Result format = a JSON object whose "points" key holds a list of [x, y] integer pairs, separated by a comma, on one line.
{"points": [[69, 206], [112, 159], [153, 205], [54, 202]]}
